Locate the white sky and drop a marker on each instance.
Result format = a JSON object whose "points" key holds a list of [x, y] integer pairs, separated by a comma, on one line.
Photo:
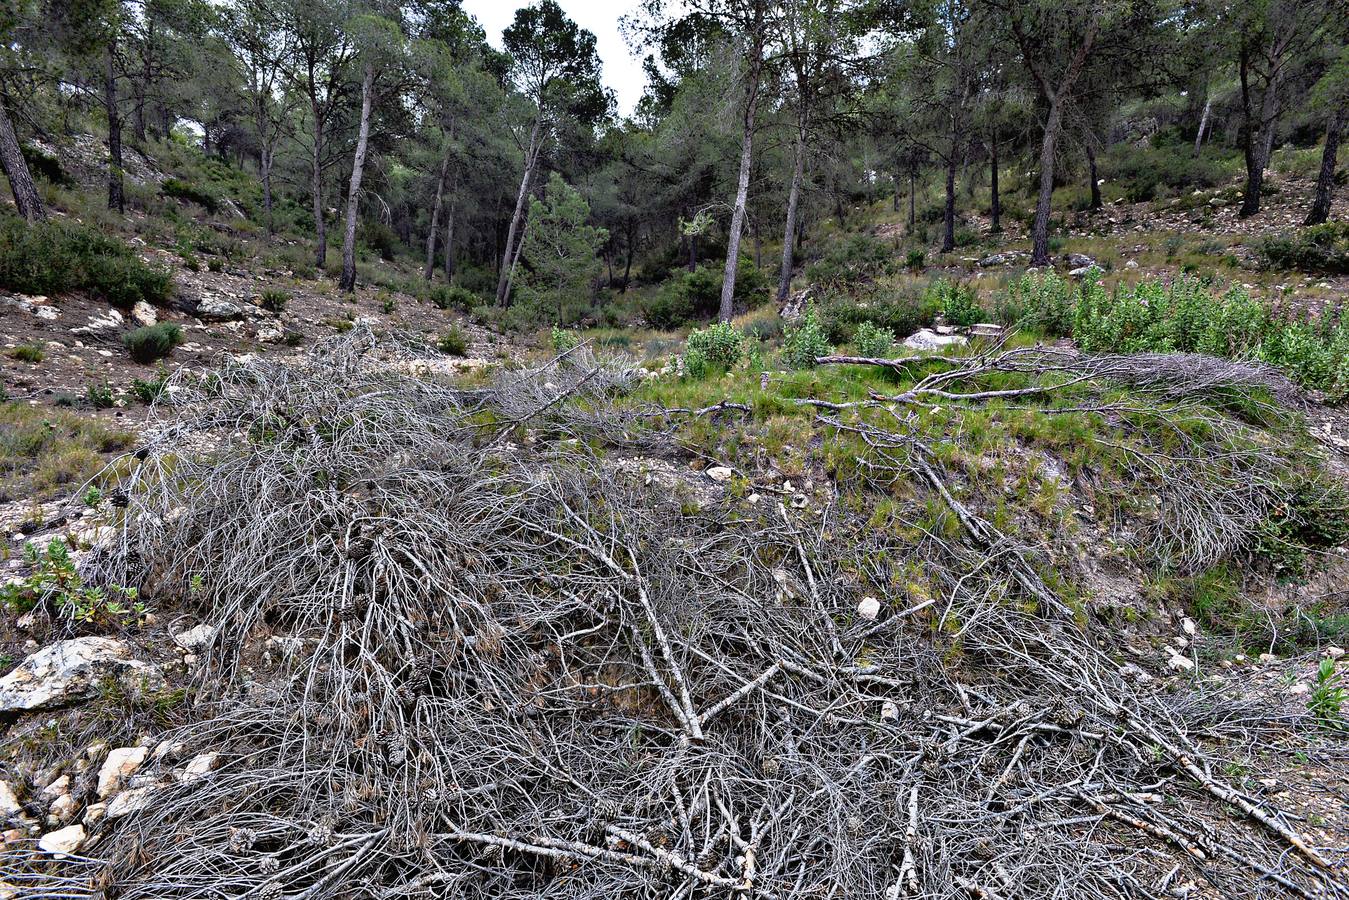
{"points": [[622, 71]]}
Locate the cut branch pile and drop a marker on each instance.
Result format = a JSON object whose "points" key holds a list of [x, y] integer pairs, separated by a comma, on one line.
{"points": [[506, 672]]}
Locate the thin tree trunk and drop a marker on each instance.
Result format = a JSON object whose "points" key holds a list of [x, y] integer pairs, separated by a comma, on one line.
{"points": [[741, 190], [508, 257], [948, 239], [26, 198], [435, 213], [1325, 181], [1257, 154], [1096, 202], [316, 188], [913, 199], [1203, 123], [627, 263], [266, 158], [116, 197], [793, 199], [348, 281], [515, 258], [1040, 228], [995, 209], [449, 243]]}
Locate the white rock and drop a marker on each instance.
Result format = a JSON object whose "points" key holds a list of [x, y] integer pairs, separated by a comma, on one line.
{"points": [[1187, 625], [107, 320], [195, 638], [130, 801], [9, 802], [1178, 663], [94, 812], [889, 711], [1335, 652], [213, 307], [720, 473], [63, 841], [869, 608], [1299, 689], [144, 314], [72, 670], [57, 787], [121, 764], [200, 765], [927, 339], [63, 808], [1131, 264], [1129, 670], [166, 749]]}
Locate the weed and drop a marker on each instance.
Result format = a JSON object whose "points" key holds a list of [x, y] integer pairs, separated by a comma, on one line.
{"points": [[29, 353], [452, 342], [1326, 703], [805, 341], [152, 342], [99, 394], [274, 300], [715, 348]]}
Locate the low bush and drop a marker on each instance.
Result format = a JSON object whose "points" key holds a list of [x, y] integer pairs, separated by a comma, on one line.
{"points": [[453, 342], [696, 296], [1043, 304], [715, 348], [452, 296], [959, 303], [47, 166], [380, 238], [873, 341], [902, 311], [855, 259], [805, 341], [29, 353], [99, 395], [149, 391], [185, 190], [563, 339], [59, 257], [274, 300], [1320, 248], [153, 342]]}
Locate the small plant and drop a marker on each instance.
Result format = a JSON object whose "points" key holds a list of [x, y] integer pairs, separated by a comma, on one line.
{"points": [[805, 341], [215, 264], [274, 300], [452, 296], [453, 342], [29, 353], [872, 341], [959, 303], [93, 496], [716, 347], [56, 585], [182, 190], [563, 339], [99, 395], [1326, 703], [915, 259], [148, 392], [152, 342], [390, 306]]}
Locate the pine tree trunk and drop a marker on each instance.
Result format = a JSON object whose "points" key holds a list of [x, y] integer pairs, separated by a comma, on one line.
{"points": [[348, 280], [793, 199], [1040, 228], [995, 209], [508, 257], [266, 158], [435, 213], [449, 244], [627, 263], [26, 198], [316, 188], [913, 199], [116, 197], [1203, 123], [1096, 202], [948, 239], [741, 199], [1325, 181]]}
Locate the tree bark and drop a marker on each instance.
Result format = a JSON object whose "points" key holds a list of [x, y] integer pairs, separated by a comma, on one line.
{"points": [[316, 188], [793, 199], [1096, 202], [627, 262], [1040, 227], [348, 280], [116, 197], [1257, 155], [449, 243], [948, 239], [266, 158], [435, 212], [1203, 123], [995, 209], [508, 257], [1325, 181], [26, 198], [741, 189], [913, 199]]}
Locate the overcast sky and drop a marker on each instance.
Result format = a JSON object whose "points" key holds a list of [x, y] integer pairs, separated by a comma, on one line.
{"points": [[622, 71]]}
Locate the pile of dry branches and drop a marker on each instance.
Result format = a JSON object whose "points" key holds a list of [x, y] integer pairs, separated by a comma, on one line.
{"points": [[506, 672]]}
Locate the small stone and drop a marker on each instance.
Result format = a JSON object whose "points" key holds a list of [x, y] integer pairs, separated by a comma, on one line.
{"points": [[1299, 689], [1178, 663], [1267, 657], [57, 787], [168, 750], [1187, 625], [200, 765], [1131, 264], [63, 808], [9, 803], [144, 314], [130, 801], [720, 473], [889, 711], [94, 812], [195, 638], [121, 764], [63, 841], [1335, 652], [869, 608]]}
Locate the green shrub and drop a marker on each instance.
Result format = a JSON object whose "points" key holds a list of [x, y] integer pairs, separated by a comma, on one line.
{"points": [[696, 296], [184, 190], [805, 341], [380, 238], [389, 305], [148, 392], [46, 166], [1320, 248], [274, 300], [452, 296], [901, 311], [59, 256], [872, 341], [563, 339], [1043, 303], [959, 303], [716, 347], [29, 353], [153, 342], [915, 259], [855, 259], [99, 395], [453, 342]]}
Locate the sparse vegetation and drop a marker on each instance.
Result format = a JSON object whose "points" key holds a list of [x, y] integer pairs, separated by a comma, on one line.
{"points": [[60, 257]]}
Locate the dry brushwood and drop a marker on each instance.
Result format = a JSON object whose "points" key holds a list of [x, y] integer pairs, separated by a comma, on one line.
{"points": [[508, 672]]}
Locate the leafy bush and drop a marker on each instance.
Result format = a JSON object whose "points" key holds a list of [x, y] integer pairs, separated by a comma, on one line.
{"points": [[153, 342], [184, 190], [872, 341], [60, 256], [46, 166], [901, 311], [805, 341], [1320, 248], [696, 296], [29, 353], [855, 259], [1326, 703], [452, 296], [380, 238], [959, 303], [915, 259], [148, 392], [716, 347], [1043, 303], [563, 339], [453, 342], [99, 395], [274, 300], [56, 584]]}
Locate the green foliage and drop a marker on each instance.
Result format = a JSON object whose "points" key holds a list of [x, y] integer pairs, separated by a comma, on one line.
{"points": [[561, 255], [274, 300], [715, 348], [1319, 248], [46, 166], [152, 342], [389, 305], [29, 353], [45, 451], [805, 341], [563, 339], [453, 342], [56, 585], [184, 190], [99, 394], [1167, 167], [1042, 303], [452, 296], [873, 341], [380, 238], [915, 259], [901, 311], [1326, 702], [148, 392], [58, 257], [959, 303], [696, 296], [855, 259]]}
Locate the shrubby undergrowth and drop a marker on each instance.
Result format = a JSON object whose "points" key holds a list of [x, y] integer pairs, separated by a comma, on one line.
{"points": [[58, 257]]}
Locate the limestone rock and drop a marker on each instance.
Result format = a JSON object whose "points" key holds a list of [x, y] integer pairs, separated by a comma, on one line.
{"points": [[120, 765], [195, 638], [128, 802], [213, 307], [63, 808], [71, 670], [928, 339], [9, 802], [869, 608], [199, 766], [63, 841], [719, 473], [144, 314], [107, 320]]}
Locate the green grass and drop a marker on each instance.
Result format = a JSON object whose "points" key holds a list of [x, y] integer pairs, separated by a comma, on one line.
{"points": [[48, 452]]}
